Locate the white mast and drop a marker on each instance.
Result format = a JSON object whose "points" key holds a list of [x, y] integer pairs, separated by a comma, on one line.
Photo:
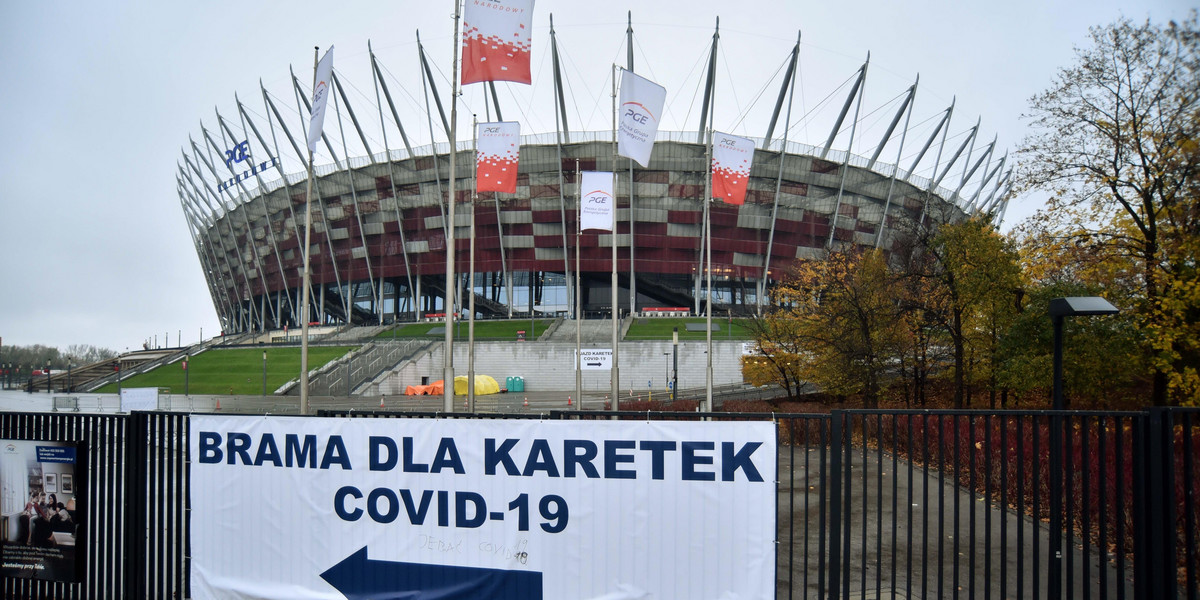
{"points": [[448, 371]]}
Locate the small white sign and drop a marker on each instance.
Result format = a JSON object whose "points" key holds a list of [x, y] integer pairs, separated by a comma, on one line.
{"points": [[595, 359], [139, 399]]}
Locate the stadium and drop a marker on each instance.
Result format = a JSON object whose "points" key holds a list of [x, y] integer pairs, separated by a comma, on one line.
{"points": [[380, 213]]}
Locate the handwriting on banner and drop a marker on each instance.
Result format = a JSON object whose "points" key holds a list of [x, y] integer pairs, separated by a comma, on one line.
{"points": [[701, 461]]}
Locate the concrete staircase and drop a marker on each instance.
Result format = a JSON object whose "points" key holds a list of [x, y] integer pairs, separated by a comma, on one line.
{"points": [[592, 331]]}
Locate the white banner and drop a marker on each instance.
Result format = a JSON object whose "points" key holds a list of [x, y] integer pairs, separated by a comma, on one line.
{"points": [[298, 508], [595, 359], [320, 98], [597, 205], [497, 152], [640, 111]]}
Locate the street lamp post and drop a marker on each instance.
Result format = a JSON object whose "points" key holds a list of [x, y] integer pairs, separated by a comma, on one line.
{"points": [[48, 390], [667, 371], [675, 364], [186, 375], [1060, 308], [69, 386]]}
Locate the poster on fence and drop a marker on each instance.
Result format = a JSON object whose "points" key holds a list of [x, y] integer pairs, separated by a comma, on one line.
{"points": [[41, 499], [294, 507]]}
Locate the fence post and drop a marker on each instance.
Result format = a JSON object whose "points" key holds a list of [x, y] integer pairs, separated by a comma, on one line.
{"points": [[136, 451], [1154, 519], [834, 526], [1054, 570]]}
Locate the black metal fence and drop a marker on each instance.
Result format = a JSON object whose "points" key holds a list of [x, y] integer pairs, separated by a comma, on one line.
{"points": [[871, 504]]}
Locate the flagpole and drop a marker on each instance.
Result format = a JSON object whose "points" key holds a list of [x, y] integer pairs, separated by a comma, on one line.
{"points": [[306, 287], [616, 377], [708, 150], [471, 277], [708, 375], [632, 212], [448, 349], [578, 314]]}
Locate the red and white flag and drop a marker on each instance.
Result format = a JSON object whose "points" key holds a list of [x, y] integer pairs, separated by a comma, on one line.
{"points": [[496, 153], [496, 40], [316, 119], [731, 159], [641, 108], [597, 205]]}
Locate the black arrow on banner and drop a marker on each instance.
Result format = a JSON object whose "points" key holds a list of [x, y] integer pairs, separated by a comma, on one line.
{"points": [[359, 578]]}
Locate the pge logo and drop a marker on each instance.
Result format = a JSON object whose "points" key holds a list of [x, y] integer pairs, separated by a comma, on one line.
{"points": [[239, 153], [637, 113], [487, 130]]}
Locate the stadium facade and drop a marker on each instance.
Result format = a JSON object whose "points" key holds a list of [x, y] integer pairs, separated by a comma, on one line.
{"points": [[380, 230]]}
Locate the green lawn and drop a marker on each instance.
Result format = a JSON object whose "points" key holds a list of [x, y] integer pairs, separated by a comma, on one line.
{"points": [[232, 371], [660, 328], [484, 330]]}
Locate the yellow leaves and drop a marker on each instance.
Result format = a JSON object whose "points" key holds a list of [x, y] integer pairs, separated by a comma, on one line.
{"points": [[1174, 335]]}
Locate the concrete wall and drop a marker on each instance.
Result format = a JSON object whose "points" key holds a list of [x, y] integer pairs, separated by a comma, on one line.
{"points": [[547, 366]]}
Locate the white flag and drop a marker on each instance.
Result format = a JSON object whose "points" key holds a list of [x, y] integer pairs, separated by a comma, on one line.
{"points": [[597, 206], [319, 99], [641, 108]]}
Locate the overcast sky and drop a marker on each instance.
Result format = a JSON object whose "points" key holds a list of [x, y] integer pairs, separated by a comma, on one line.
{"points": [[102, 96]]}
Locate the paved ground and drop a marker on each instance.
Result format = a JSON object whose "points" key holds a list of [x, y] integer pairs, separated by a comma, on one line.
{"points": [[903, 538]]}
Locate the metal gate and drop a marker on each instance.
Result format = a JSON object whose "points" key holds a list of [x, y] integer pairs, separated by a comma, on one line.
{"points": [[871, 504]]}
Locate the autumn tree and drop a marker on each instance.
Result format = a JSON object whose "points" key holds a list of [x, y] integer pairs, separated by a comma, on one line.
{"points": [[1114, 142], [1103, 365], [778, 357], [840, 316], [969, 285]]}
